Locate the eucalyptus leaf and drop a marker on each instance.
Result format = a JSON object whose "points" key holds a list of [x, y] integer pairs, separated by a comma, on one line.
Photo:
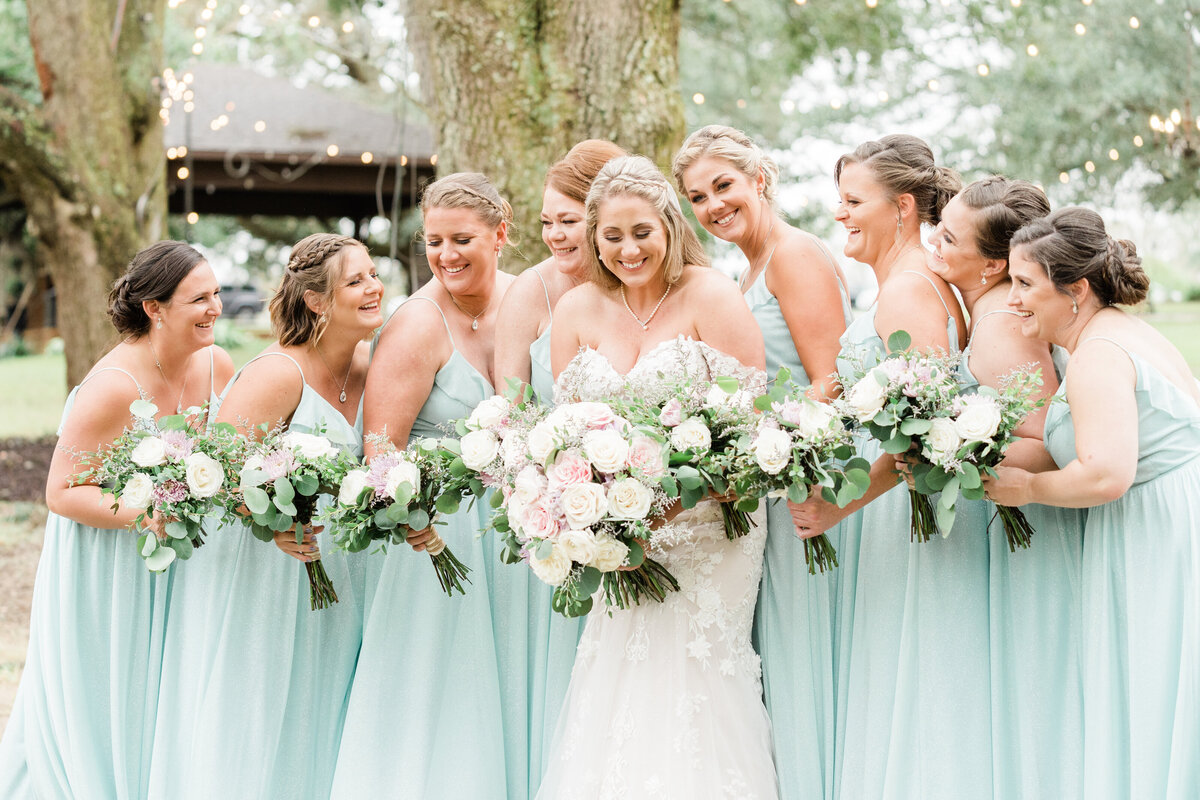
{"points": [[898, 341], [284, 493], [418, 519], [256, 499]]}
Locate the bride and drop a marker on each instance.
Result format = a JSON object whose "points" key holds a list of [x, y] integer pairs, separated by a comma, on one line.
{"points": [[665, 698]]}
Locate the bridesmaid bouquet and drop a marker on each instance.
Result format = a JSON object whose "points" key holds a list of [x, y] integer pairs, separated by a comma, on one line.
{"points": [[902, 402], [579, 488], [699, 425], [171, 466], [399, 490], [971, 439], [800, 446], [280, 480]]}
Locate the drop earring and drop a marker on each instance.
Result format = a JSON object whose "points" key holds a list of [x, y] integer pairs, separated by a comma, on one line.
{"points": [[1074, 306], [158, 323], [899, 226], [983, 280]]}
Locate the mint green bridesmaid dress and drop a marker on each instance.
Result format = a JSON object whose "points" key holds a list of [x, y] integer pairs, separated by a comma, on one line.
{"points": [[1141, 603]]}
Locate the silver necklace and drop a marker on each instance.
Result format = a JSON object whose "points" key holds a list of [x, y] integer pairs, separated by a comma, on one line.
{"points": [[645, 325], [475, 318], [158, 364], [342, 395]]}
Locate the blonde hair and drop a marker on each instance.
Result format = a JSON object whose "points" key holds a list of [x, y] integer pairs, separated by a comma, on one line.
{"points": [[573, 175], [637, 176], [472, 191], [728, 144], [904, 164], [315, 265]]}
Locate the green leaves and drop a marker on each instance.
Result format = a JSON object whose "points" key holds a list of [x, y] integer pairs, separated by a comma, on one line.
{"points": [[256, 499], [898, 341]]}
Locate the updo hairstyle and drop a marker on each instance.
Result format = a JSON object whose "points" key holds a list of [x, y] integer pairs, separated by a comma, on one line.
{"points": [[1072, 244], [729, 144], [1002, 206], [904, 164], [315, 265], [153, 274], [473, 191], [573, 175], [637, 176]]}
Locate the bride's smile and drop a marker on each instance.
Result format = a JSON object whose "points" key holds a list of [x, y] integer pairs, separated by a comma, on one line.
{"points": [[632, 244]]}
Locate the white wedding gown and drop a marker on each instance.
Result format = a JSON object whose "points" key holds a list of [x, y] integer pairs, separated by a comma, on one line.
{"points": [[665, 698]]}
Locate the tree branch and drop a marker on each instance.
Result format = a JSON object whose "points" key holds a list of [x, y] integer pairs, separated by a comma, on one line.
{"points": [[28, 152]]}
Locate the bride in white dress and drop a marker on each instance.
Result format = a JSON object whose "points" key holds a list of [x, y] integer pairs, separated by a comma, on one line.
{"points": [[665, 698]]}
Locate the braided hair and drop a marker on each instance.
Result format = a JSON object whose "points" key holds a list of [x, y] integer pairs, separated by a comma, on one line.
{"points": [[153, 274], [472, 191], [728, 144], [315, 265]]}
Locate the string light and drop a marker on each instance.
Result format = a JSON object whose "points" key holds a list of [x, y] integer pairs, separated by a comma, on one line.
{"points": [[206, 14], [367, 157], [1138, 141], [1135, 23], [698, 99], [1090, 166], [201, 32], [1063, 177], [933, 85], [331, 151], [198, 48], [314, 22], [835, 104], [193, 218], [1032, 50], [347, 27], [801, 2], [982, 69], [243, 10], [1080, 28], [741, 103], [872, 3], [260, 126], [404, 160], [183, 173], [433, 160], [1114, 155], [181, 151]]}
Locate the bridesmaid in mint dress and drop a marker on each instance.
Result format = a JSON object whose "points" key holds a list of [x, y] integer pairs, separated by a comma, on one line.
{"points": [[1127, 443], [258, 682], [441, 696], [1034, 603], [523, 353], [83, 721], [912, 676], [798, 297]]}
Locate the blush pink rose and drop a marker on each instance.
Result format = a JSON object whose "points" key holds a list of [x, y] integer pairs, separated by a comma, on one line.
{"points": [[646, 455], [672, 413], [569, 468], [539, 522]]}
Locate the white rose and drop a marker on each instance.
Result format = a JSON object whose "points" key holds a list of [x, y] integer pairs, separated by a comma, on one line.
{"points": [[479, 448], [579, 546], [529, 484], [772, 450], [352, 486], [403, 472], [541, 442], [610, 554], [489, 413], [309, 446], [813, 419], [252, 463], [554, 569], [979, 421], [691, 434], [867, 397], [204, 475], [137, 491], [583, 504], [150, 452], [629, 499], [942, 440], [607, 450]]}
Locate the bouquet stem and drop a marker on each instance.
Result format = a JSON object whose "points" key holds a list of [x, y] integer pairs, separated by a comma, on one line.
{"points": [[924, 520], [819, 554], [1016, 527], [651, 580], [450, 571], [737, 523], [321, 593]]}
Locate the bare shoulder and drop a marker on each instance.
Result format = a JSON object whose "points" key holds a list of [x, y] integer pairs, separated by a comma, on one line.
{"points": [[709, 284], [272, 367], [102, 401], [583, 298], [417, 324], [223, 368], [524, 292]]}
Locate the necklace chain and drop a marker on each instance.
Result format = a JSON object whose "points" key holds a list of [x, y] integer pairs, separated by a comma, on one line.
{"points": [[750, 269], [158, 364], [342, 396], [474, 318], [645, 325]]}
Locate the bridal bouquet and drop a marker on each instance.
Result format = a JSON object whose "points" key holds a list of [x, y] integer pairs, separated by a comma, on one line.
{"points": [[397, 491], [903, 402], [801, 446], [579, 489], [700, 424], [172, 467], [971, 439], [280, 480]]}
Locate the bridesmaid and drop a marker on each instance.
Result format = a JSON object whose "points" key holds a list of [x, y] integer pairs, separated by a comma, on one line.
{"points": [[258, 682], [83, 721], [440, 683], [523, 353], [911, 644], [1034, 603], [1127, 443], [797, 295]]}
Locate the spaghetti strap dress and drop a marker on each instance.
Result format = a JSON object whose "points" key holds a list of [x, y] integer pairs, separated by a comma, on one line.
{"points": [[255, 683], [912, 676], [793, 621], [440, 698], [1036, 646], [1141, 602]]}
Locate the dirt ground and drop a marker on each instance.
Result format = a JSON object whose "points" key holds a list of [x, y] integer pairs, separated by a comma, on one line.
{"points": [[23, 465]]}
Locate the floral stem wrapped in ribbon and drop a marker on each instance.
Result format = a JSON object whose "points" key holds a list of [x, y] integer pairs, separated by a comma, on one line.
{"points": [[281, 478], [172, 467], [397, 491]]}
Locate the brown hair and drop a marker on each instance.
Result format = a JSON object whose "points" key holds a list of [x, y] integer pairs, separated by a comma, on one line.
{"points": [[315, 265], [1072, 244], [573, 175], [730, 144], [1002, 206], [153, 274], [473, 191], [637, 176], [904, 164]]}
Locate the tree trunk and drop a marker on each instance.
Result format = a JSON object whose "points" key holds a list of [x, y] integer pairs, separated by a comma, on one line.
{"points": [[87, 160], [511, 85]]}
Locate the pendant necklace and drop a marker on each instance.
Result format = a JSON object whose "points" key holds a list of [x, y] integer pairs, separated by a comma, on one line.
{"points": [[645, 325], [157, 363], [342, 396], [475, 318]]}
